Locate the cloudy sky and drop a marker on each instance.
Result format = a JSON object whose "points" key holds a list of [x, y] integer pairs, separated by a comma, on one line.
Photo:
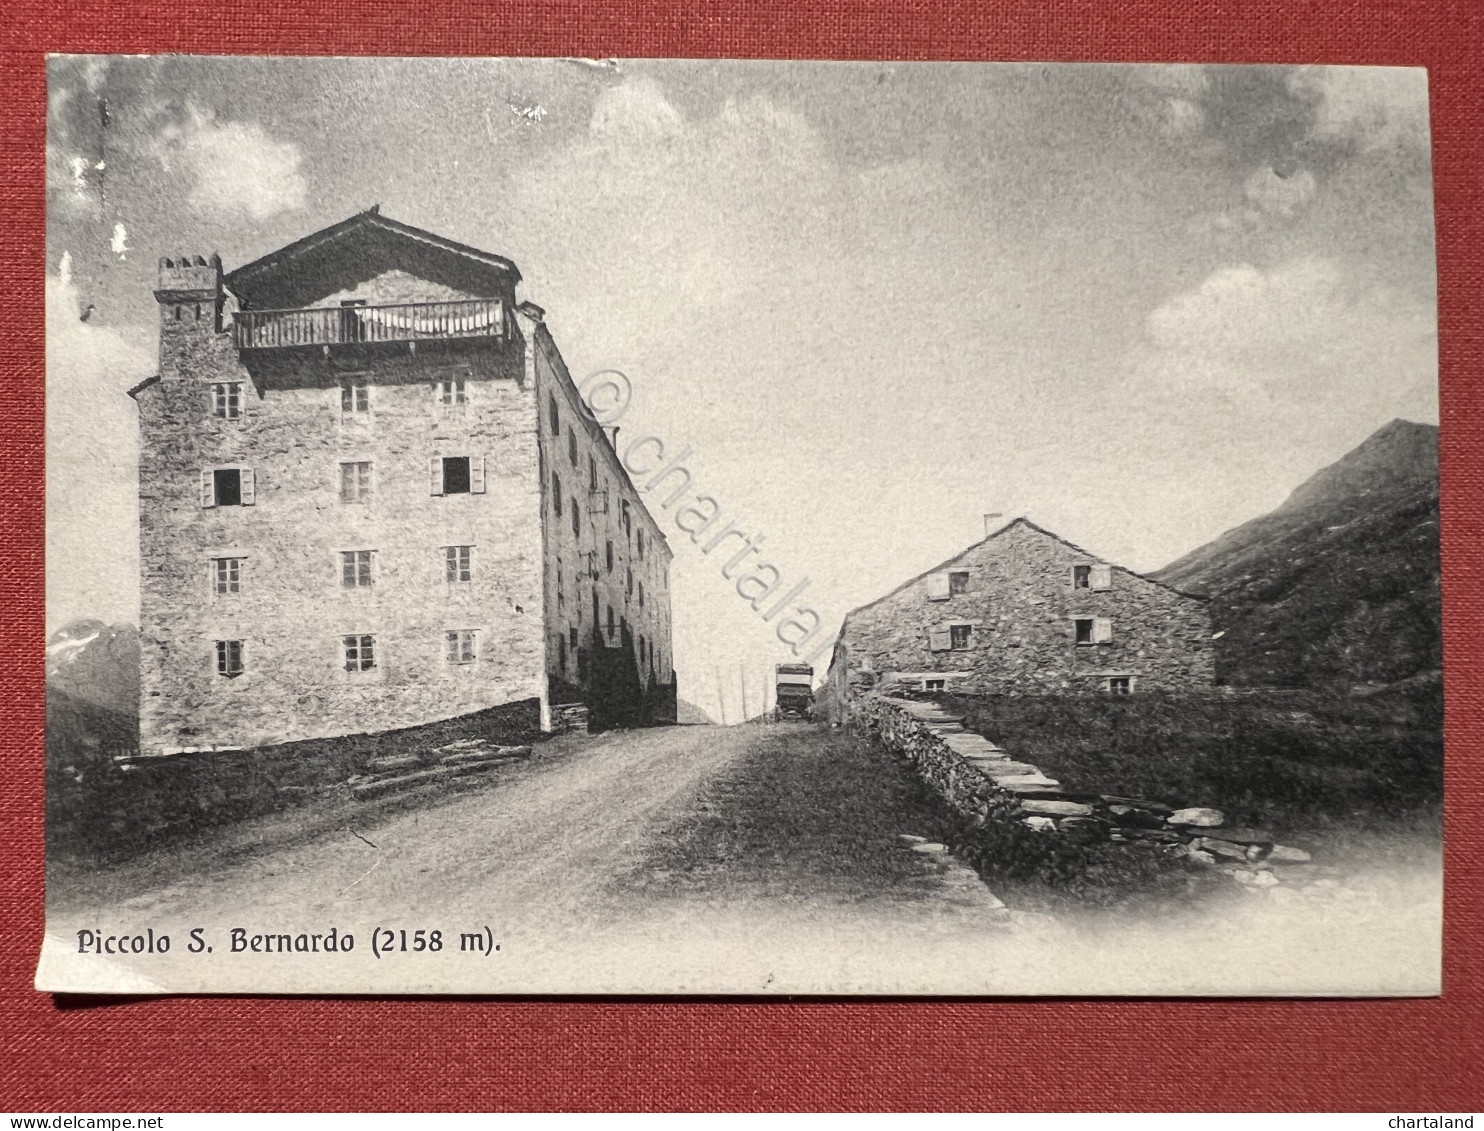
{"points": [[1138, 304]]}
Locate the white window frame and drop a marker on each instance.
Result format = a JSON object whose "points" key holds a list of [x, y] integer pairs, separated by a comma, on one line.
{"points": [[458, 560], [460, 646], [226, 400], [968, 630], [357, 391], [364, 484], [226, 569], [362, 565], [453, 390], [360, 643], [438, 475], [226, 651], [247, 488], [1131, 679]]}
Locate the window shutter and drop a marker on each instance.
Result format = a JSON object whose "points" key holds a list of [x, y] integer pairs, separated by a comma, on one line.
{"points": [[476, 475], [435, 467], [208, 488], [1102, 577], [249, 486], [937, 587], [939, 640], [1102, 630]]}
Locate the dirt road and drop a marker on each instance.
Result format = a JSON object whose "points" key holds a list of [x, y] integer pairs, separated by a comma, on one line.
{"points": [[607, 843]]}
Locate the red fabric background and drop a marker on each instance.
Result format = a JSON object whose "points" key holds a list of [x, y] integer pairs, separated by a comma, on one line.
{"points": [[245, 1054]]}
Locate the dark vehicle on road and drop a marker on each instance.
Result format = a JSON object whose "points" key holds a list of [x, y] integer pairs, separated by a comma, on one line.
{"points": [[794, 687]]}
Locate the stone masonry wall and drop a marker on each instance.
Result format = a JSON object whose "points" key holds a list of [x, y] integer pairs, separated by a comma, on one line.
{"points": [[292, 609], [574, 452], [1020, 607], [1018, 820]]}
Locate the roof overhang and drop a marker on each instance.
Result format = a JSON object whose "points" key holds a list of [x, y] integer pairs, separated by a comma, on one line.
{"points": [[360, 248]]}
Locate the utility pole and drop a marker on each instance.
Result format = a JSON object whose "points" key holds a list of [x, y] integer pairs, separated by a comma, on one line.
{"points": [[742, 677], [721, 703]]}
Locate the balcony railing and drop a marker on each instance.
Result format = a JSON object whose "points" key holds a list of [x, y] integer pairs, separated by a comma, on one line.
{"points": [[355, 325]]}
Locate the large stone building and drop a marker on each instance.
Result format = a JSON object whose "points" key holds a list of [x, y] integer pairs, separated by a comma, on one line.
{"points": [[1025, 612], [369, 497]]}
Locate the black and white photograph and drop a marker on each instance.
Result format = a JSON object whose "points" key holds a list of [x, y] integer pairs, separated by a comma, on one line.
{"points": [[672, 527]]}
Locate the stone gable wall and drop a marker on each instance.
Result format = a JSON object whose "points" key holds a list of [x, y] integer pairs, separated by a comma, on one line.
{"points": [[1020, 606]]}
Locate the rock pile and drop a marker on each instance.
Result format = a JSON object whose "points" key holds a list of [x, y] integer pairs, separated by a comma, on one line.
{"points": [[1013, 805]]}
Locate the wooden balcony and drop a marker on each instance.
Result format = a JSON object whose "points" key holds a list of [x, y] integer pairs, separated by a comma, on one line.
{"points": [[369, 325]]}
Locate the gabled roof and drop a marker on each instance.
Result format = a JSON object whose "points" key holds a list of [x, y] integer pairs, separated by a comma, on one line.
{"points": [[360, 248], [1014, 522]]}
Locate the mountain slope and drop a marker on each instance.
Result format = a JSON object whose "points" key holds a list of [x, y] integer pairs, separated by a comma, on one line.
{"points": [[96, 663], [1340, 584]]}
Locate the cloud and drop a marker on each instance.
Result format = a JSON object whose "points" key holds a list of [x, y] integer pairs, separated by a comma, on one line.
{"points": [[92, 453], [1307, 331], [1371, 107], [1285, 194], [237, 168]]}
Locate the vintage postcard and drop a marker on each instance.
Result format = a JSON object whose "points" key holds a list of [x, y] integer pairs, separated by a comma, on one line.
{"points": [[672, 527]]}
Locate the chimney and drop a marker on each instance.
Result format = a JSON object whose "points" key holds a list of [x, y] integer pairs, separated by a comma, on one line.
{"points": [[992, 522]]}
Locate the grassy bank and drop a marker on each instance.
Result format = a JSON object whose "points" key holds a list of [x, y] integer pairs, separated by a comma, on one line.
{"points": [[1292, 761]]}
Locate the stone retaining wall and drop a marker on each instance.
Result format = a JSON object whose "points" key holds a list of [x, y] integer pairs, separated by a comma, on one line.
{"points": [[1018, 819]]}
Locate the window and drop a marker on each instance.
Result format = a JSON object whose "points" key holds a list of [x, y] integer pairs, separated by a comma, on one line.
{"points": [[556, 416], [459, 645], [628, 530], [556, 494], [355, 396], [959, 636], [355, 569], [355, 482], [360, 653], [937, 587], [572, 636], [641, 594], [229, 658], [227, 575], [561, 652], [457, 475], [642, 659], [610, 624], [456, 562], [628, 582], [451, 391], [958, 582], [576, 518], [933, 684], [1093, 630], [571, 445], [1119, 685], [592, 474], [561, 593], [641, 543], [608, 550], [228, 487], [226, 400], [1092, 577]]}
